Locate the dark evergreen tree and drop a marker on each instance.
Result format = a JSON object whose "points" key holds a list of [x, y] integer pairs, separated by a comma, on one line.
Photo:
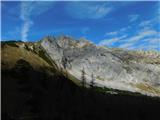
{"points": [[31, 83], [83, 78], [92, 83]]}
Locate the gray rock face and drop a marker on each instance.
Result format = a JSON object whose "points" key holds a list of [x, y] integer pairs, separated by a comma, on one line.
{"points": [[114, 68]]}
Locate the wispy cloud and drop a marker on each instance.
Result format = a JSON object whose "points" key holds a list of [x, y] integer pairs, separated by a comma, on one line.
{"points": [[142, 40], [145, 23], [125, 28], [110, 42], [29, 10], [142, 46], [143, 34], [145, 37], [88, 10], [25, 29], [25, 15], [111, 33], [148, 23], [133, 17], [118, 32]]}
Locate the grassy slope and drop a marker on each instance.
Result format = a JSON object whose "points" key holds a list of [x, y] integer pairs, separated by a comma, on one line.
{"points": [[10, 54], [150, 57]]}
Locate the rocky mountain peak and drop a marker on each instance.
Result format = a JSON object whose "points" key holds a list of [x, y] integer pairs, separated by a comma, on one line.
{"points": [[114, 68], [67, 42]]}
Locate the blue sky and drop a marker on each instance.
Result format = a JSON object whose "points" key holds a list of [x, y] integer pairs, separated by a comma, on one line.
{"points": [[131, 25]]}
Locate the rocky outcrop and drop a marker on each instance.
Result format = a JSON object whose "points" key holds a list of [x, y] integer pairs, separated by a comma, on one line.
{"points": [[114, 68]]}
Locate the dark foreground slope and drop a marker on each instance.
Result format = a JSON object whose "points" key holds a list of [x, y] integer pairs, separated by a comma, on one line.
{"points": [[34, 94]]}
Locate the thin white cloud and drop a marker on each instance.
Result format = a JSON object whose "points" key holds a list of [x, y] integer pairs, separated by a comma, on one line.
{"points": [[127, 45], [150, 22], [144, 46], [146, 38], [25, 29], [137, 41], [109, 42], [118, 32], [26, 10], [29, 10], [88, 10], [145, 23], [143, 34], [125, 28], [133, 17], [111, 33], [153, 41]]}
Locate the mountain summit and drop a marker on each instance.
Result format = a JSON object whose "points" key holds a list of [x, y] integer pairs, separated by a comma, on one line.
{"points": [[136, 71]]}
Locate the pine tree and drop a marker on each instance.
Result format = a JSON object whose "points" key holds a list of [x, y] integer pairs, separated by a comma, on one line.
{"points": [[83, 78], [92, 83]]}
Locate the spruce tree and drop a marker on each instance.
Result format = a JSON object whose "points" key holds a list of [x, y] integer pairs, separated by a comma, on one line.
{"points": [[83, 78], [92, 83]]}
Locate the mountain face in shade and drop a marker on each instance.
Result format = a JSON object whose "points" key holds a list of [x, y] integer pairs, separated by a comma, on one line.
{"points": [[136, 71]]}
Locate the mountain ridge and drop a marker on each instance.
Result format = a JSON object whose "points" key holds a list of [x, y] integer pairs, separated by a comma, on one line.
{"points": [[109, 66], [37, 87], [112, 68]]}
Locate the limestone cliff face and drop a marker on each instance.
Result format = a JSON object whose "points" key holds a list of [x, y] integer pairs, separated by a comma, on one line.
{"points": [[136, 71]]}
